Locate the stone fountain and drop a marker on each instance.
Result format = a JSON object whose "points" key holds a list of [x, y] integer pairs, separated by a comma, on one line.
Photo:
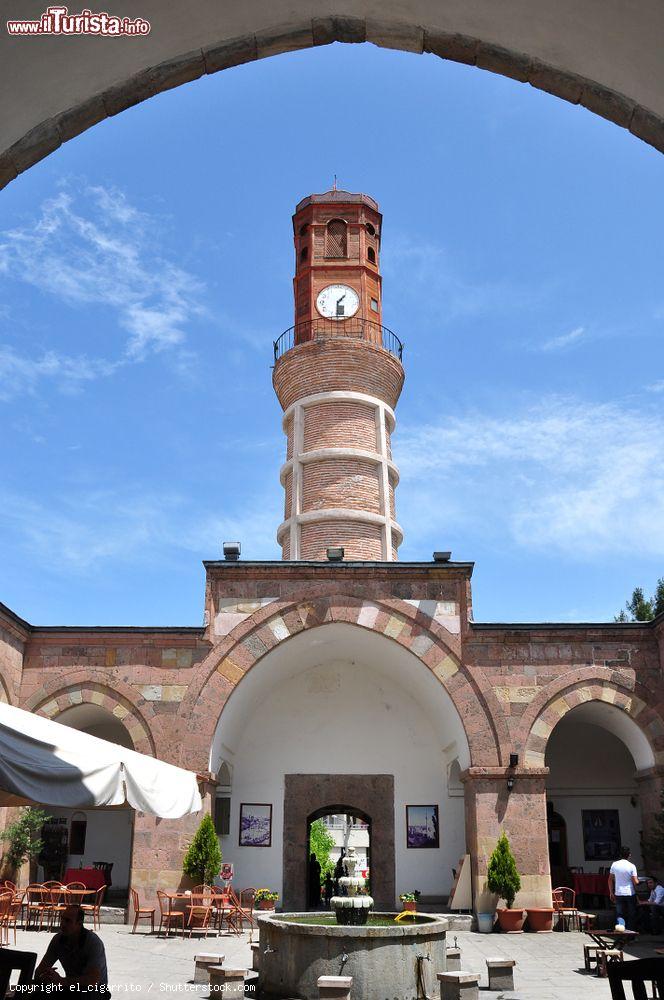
{"points": [[352, 907], [383, 956]]}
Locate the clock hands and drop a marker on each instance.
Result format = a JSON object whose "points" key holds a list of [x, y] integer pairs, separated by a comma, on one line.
{"points": [[340, 308]]}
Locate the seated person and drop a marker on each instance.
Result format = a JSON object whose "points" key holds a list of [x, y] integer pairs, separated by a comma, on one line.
{"points": [[651, 910], [80, 953]]}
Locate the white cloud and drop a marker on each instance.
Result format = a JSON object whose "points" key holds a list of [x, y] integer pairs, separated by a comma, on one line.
{"points": [[427, 273], [94, 248], [657, 386], [579, 478], [564, 340], [81, 526], [19, 374]]}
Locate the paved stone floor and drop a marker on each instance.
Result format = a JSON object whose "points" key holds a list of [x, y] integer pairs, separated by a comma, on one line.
{"points": [[140, 964], [549, 966]]}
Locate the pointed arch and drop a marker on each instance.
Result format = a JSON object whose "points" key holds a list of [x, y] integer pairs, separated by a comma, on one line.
{"points": [[436, 648]]}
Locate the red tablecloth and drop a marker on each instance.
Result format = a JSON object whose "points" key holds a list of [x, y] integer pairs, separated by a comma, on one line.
{"points": [[591, 884], [92, 878]]}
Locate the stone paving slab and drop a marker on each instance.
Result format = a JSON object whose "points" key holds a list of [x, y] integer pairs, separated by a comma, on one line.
{"points": [[549, 966], [142, 963]]}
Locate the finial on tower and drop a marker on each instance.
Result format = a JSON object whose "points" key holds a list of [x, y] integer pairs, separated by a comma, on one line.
{"points": [[334, 186]]}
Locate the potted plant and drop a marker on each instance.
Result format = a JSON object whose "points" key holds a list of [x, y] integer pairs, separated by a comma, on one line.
{"points": [[24, 840], [203, 859], [503, 879], [409, 900], [266, 899]]}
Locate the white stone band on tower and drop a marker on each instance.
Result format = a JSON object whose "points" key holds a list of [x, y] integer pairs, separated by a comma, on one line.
{"points": [[339, 469]]}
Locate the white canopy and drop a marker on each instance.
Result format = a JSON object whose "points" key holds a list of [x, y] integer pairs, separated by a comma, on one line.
{"points": [[45, 762]]}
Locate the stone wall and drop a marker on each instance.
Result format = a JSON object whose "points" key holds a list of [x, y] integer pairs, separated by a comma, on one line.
{"points": [[510, 684]]}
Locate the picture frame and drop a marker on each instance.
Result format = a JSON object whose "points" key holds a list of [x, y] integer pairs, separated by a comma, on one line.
{"points": [[255, 824], [422, 827]]}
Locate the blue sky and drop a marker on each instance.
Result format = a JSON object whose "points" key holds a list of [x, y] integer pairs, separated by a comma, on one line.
{"points": [[146, 267]]}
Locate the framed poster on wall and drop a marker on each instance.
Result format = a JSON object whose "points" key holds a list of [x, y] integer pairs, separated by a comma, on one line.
{"points": [[601, 834], [422, 826], [255, 824]]}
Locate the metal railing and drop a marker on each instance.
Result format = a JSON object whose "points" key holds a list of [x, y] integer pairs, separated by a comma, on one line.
{"points": [[356, 328]]}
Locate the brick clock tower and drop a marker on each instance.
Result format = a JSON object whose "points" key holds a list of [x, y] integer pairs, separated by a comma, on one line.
{"points": [[338, 376]]}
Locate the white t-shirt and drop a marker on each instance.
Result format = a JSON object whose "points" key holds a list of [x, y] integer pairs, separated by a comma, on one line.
{"points": [[622, 872]]}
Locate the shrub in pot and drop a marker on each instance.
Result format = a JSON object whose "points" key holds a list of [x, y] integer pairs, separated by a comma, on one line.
{"points": [[203, 858], [24, 840], [265, 899], [409, 900], [503, 879]]}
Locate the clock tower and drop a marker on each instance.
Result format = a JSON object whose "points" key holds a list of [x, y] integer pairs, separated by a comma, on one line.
{"points": [[338, 376]]}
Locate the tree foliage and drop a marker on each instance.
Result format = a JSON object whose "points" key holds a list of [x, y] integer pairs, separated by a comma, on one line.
{"points": [[202, 861], [502, 876], [24, 836], [321, 843], [642, 609]]}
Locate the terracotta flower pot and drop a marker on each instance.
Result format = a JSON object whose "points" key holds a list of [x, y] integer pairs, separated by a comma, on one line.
{"points": [[540, 919], [511, 921], [265, 904], [409, 905]]}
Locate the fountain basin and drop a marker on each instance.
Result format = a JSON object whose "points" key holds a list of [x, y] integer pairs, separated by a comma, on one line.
{"points": [[384, 961]]}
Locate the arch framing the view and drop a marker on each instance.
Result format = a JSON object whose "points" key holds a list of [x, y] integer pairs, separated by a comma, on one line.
{"points": [[471, 694], [623, 90]]}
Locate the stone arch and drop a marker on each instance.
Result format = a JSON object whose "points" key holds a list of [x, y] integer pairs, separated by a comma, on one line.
{"points": [[438, 650], [563, 698], [55, 697], [81, 87]]}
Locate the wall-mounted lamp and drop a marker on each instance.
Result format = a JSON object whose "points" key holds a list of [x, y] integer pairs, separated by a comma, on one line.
{"points": [[514, 762], [335, 554]]}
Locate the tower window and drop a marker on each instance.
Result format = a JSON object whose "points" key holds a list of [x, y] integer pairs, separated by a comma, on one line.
{"points": [[374, 305], [371, 254], [336, 239], [303, 229], [304, 253], [370, 229]]}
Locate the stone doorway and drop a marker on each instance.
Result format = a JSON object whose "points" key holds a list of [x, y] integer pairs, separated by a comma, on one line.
{"points": [[347, 827], [307, 796]]}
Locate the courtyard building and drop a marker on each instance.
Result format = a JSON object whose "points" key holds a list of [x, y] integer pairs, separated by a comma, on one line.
{"points": [[341, 682]]}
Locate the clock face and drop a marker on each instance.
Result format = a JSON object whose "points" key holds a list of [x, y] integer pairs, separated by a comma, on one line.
{"points": [[338, 302]]}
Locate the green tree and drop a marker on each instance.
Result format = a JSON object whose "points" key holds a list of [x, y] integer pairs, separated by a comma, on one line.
{"points": [[24, 837], [640, 609], [321, 843], [203, 859], [502, 876], [658, 598]]}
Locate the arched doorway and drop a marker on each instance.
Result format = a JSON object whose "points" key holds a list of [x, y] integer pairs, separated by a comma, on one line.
{"points": [[337, 828], [338, 715], [557, 835], [594, 754], [80, 838]]}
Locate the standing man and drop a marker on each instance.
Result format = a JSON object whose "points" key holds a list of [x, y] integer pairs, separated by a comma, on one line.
{"points": [[80, 953], [623, 881]]}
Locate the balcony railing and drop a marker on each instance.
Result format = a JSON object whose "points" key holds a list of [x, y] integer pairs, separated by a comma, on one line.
{"points": [[329, 329]]}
